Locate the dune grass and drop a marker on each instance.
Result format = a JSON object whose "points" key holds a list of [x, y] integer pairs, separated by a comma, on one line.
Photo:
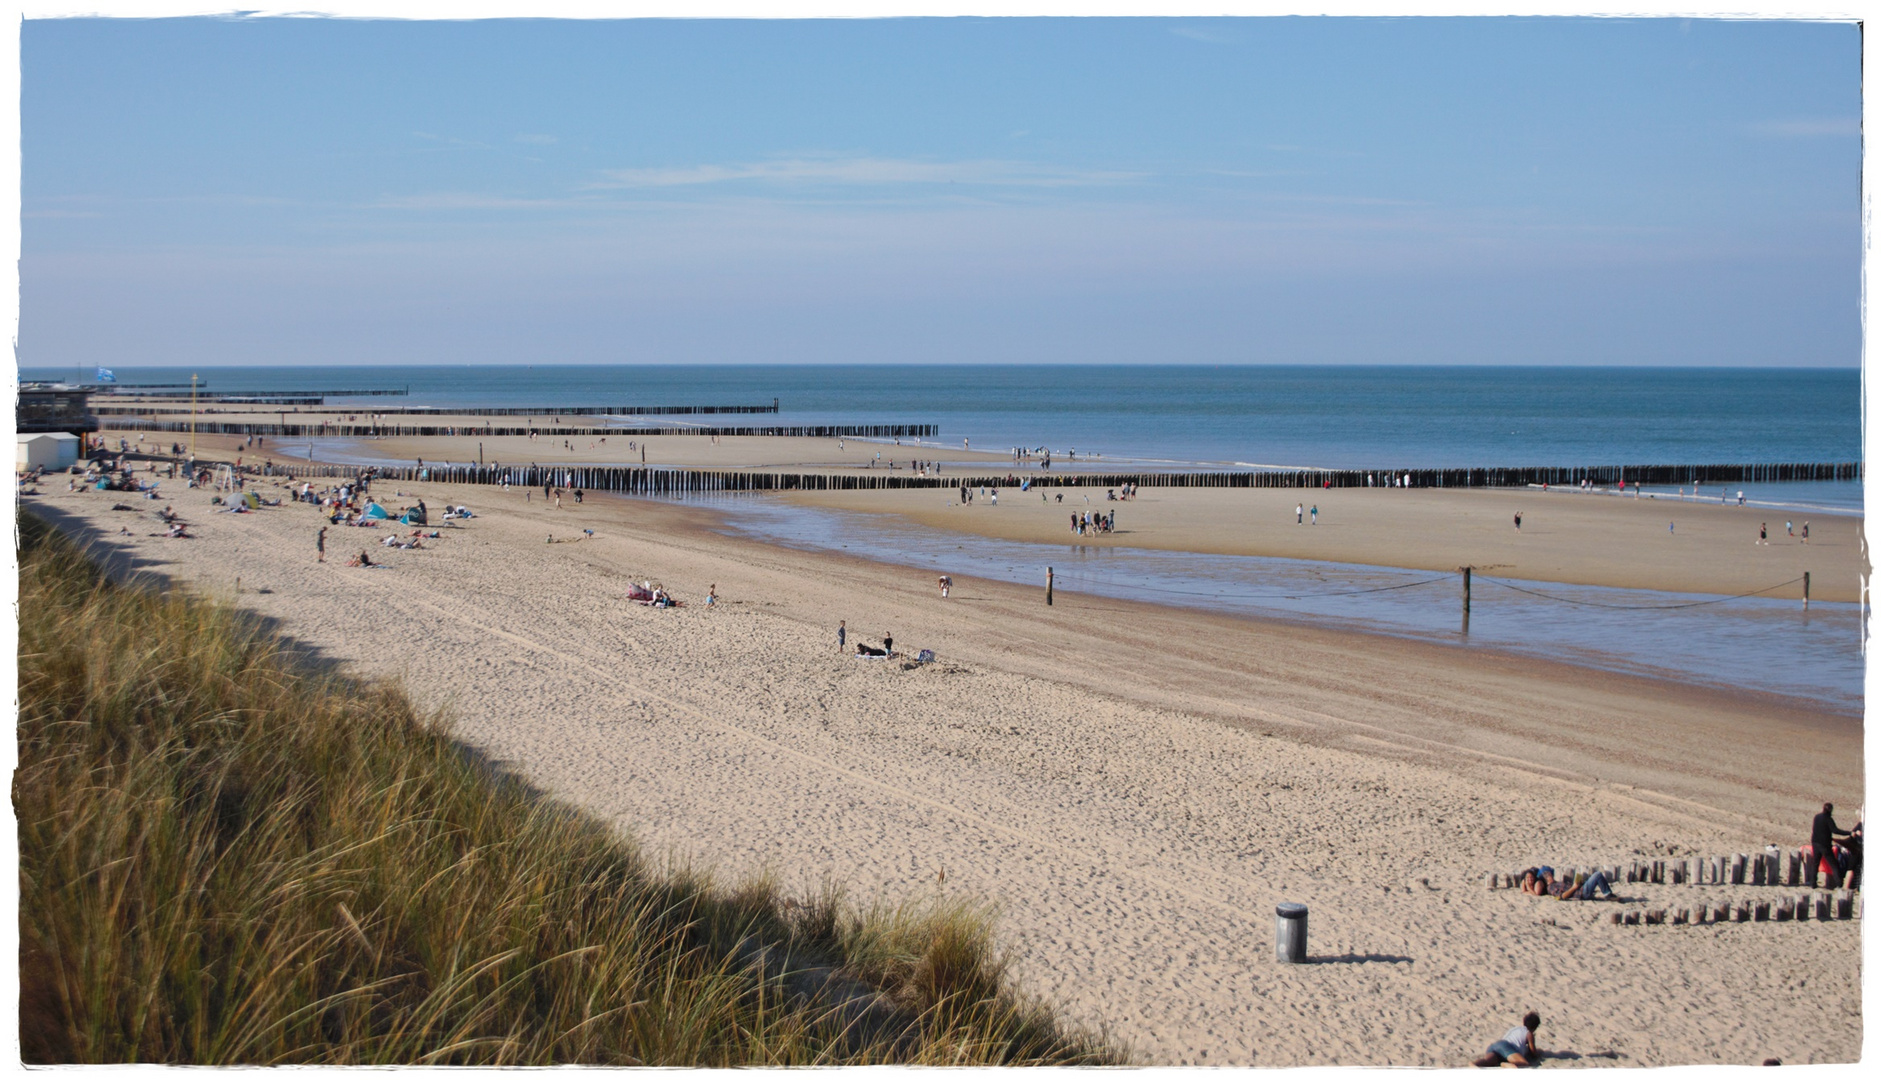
{"points": [[225, 858]]}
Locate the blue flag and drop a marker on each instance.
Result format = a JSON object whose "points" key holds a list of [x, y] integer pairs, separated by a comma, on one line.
{"points": [[104, 375]]}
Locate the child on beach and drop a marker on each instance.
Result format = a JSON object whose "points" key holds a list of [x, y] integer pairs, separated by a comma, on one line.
{"points": [[1516, 1047]]}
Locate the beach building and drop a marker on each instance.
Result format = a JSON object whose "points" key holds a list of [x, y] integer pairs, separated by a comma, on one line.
{"points": [[47, 407], [49, 450]]}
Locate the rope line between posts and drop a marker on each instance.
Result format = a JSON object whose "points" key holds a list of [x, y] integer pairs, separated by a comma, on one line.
{"points": [[1635, 607], [1289, 596]]}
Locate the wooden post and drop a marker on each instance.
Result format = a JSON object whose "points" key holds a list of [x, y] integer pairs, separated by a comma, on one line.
{"points": [[1761, 913], [1466, 599], [1805, 590], [1048, 586]]}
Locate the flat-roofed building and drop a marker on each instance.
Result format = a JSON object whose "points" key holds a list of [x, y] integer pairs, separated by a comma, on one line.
{"points": [[47, 407]]}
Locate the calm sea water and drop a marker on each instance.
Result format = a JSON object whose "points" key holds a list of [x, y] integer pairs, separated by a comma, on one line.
{"points": [[1336, 417]]}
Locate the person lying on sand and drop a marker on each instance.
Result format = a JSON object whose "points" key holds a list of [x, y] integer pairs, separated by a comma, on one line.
{"points": [[865, 649], [1591, 889], [1516, 1047]]}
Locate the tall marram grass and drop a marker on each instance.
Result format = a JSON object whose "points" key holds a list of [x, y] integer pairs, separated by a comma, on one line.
{"points": [[226, 858]]}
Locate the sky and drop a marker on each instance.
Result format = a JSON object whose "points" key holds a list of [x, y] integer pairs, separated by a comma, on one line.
{"points": [[890, 191]]}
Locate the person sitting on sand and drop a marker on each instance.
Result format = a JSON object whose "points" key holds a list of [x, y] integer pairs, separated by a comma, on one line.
{"points": [[361, 559], [1516, 1047]]}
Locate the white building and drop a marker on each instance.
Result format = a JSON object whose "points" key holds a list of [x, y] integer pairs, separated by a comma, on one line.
{"points": [[49, 450]]}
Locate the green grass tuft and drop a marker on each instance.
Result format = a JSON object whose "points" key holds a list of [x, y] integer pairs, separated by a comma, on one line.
{"points": [[226, 859]]}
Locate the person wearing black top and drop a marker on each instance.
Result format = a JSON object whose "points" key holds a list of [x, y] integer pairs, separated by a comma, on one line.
{"points": [[1822, 834]]}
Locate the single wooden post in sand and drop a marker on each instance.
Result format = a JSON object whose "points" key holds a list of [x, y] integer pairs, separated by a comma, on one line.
{"points": [[1756, 870], [1822, 907], [1681, 916], [1614, 918], [1761, 912], [1466, 599], [1805, 590], [1655, 917], [1844, 904], [1632, 873], [1742, 914], [1495, 882], [1785, 910], [1290, 934], [1699, 914], [1048, 586], [1632, 918], [1738, 863]]}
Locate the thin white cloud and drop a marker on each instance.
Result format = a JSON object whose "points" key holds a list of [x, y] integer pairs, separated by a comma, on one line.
{"points": [[1807, 127], [449, 142], [864, 171]]}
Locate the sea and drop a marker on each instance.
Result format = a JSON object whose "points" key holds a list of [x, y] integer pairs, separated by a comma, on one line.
{"points": [[1157, 416]]}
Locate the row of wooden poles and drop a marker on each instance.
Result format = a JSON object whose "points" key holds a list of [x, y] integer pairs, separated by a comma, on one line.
{"points": [[1835, 898], [316, 396], [1771, 868], [1843, 905], [677, 482], [364, 431]]}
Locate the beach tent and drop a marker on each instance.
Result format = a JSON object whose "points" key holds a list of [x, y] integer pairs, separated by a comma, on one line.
{"points": [[47, 450], [376, 512], [253, 500]]}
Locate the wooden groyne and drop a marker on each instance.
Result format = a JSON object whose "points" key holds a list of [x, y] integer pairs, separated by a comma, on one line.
{"points": [[368, 431], [312, 397], [655, 480]]}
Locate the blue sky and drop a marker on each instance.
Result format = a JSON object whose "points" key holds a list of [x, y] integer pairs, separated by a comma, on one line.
{"points": [[941, 190]]}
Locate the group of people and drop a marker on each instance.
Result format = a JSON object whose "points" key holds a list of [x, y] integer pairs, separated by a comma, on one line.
{"points": [[1087, 522], [863, 648]]}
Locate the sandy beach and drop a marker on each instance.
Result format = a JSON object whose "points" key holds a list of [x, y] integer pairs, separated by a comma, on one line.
{"points": [[1136, 786]]}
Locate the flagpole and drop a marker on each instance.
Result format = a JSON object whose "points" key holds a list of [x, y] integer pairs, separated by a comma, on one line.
{"points": [[192, 417]]}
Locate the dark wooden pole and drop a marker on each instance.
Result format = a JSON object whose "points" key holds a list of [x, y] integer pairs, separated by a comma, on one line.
{"points": [[1466, 599], [1805, 590], [1048, 586]]}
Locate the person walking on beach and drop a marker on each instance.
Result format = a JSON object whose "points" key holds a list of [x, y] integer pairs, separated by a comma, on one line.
{"points": [[1788, 529], [888, 644], [946, 584], [842, 635], [1763, 534], [1518, 521], [1299, 513], [320, 544], [1805, 532], [1315, 513]]}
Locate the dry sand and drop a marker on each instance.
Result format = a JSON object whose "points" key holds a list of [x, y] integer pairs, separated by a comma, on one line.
{"points": [[1136, 786]]}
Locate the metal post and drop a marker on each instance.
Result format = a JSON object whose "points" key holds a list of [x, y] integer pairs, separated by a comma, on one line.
{"points": [[1290, 934]]}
